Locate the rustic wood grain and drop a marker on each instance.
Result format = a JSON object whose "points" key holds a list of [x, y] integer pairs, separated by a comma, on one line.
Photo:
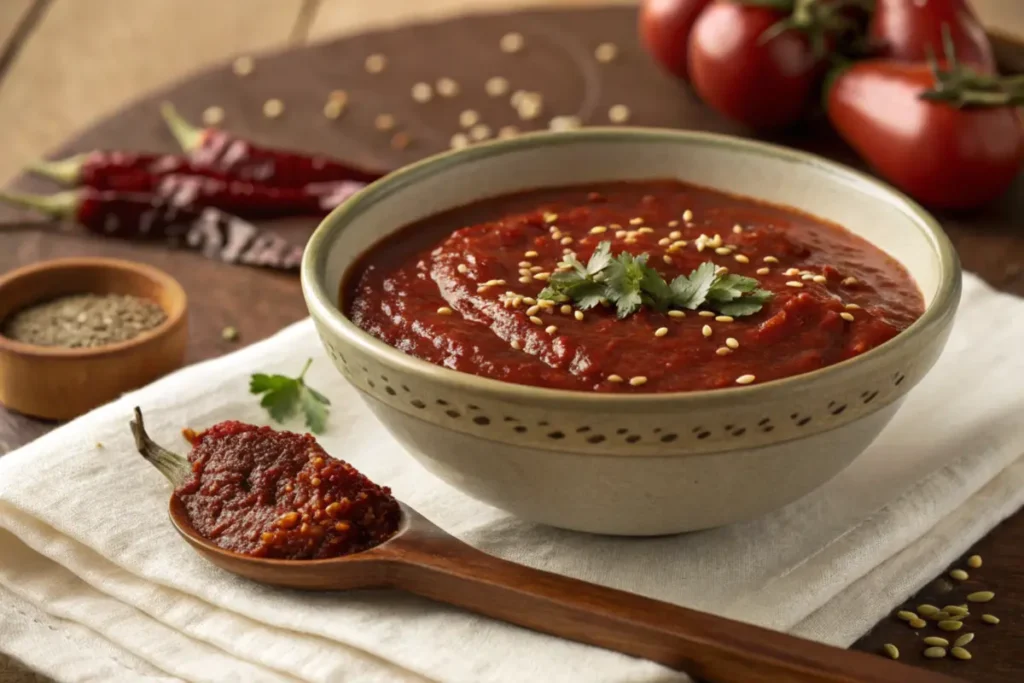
{"points": [[86, 59], [991, 241]]}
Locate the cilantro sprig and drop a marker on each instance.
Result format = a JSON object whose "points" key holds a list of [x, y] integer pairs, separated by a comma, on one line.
{"points": [[629, 282], [284, 397]]}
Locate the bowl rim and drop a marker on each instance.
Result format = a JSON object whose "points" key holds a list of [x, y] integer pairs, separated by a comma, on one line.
{"points": [[53, 267], [322, 305]]}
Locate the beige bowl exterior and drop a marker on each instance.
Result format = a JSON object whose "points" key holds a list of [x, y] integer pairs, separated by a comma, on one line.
{"points": [[638, 464]]}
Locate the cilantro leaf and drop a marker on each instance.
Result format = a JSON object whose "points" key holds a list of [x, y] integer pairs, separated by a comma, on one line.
{"points": [[747, 305], [283, 397], [691, 292], [625, 275], [600, 259]]}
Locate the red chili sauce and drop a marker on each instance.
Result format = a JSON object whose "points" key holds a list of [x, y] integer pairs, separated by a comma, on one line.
{"points": [[433, 290], [265, 493]]}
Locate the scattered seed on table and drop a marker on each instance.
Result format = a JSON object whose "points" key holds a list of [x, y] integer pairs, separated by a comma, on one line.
{"points": [[375, 63], [941, 615], [565, 123], [469, 118], [950, 625], [935, 652], [990, 618], [512, 42], [400, 140], [506, 132], [935, 640], [479, 132], [891, 650], [974, 561], [496, 86], [960, 653], [964, 639], [917, 623], [606, 52], [242, 66], [384, 122], [958, 574], [422, 92], [458, 141], [447, 87], [956, 610], [618, 113], [213, 115], [229, 333], [981, 596]]}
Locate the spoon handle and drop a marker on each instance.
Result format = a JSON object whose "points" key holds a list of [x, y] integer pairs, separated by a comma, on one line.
{"points": [[429, 562]]}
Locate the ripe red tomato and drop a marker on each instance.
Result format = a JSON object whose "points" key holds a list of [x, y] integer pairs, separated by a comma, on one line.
{"points": [[905, 29], [764, 84], [943, 156], [665, 29]]}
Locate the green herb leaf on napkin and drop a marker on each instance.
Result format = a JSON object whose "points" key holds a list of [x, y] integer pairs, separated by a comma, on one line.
{"points": [[284, 397]]}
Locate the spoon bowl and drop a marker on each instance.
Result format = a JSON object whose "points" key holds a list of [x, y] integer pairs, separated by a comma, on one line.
{"points": [[423, 559]]}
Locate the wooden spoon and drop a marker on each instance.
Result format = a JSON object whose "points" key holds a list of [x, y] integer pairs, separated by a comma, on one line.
{"points": [[422, 559]]}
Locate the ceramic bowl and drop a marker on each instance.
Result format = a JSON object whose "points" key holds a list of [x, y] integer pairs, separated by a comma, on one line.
{"points": [[61, 383], [634, 464]]}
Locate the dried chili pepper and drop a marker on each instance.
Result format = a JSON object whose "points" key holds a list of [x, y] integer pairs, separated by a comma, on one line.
{"points": [[129, 173], [212, 232], [222, 152]]}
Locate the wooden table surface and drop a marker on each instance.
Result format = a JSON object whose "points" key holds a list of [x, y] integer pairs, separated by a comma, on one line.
{"points": [[66, 63]]}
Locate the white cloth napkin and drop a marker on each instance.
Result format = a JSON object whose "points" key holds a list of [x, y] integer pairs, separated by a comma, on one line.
{"points": [[95, 584]]}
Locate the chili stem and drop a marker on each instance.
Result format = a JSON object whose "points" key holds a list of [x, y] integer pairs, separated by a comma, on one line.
{"points": [[187, 135], [60, 205], [65, 171], [171, 465]]}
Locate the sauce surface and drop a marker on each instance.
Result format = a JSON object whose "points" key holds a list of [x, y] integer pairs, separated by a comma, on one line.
{"points": [[268, 493], [459, 289]]}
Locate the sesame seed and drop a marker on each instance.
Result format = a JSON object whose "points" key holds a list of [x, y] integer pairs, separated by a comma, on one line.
{"points": [[618, 113], [535, 320], [532, 310], [637, 381], [506, 132], [459, 141], [661, 332], [469, 118], [645, 230], [619, 234], [614, 378], [335, 107], [566, 309], [667, 259], [384, 122], [741, 258], [732, 343], [723, 351], [578, 315], [770, 259], [530, 254], [706, 331], [511, 43], [990, 618], [630, 240], [551, 329], [738, 229], [820, 279], [723, 251], [541, 276], [606, 52], [598, 230], [664, 242], [565, 123], [479, 132], [794, 283], [273, 108], [974, 561], [444, 310], [529, 300], [526, 279], [807, 276], [846, 316], [565, 240], [447, 87], [375, 63], [422, 92], [530, 106], [763, 271], [213, 115], [706, 314], [850, 281], [687, 215], [675, 234], [721, 270], [676, 314], [242, 66], [516, 344], [745, 379], [550, 217], [790, 272], [723, 318], [855, 307], [496, 86], [463, 268], [636, 221]]}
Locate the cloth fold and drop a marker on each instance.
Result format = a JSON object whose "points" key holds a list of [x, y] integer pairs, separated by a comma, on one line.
{"points": [[91, 569]]}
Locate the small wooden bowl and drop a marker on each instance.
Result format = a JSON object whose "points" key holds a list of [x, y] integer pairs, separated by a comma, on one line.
{"points": [[60, 383]]}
